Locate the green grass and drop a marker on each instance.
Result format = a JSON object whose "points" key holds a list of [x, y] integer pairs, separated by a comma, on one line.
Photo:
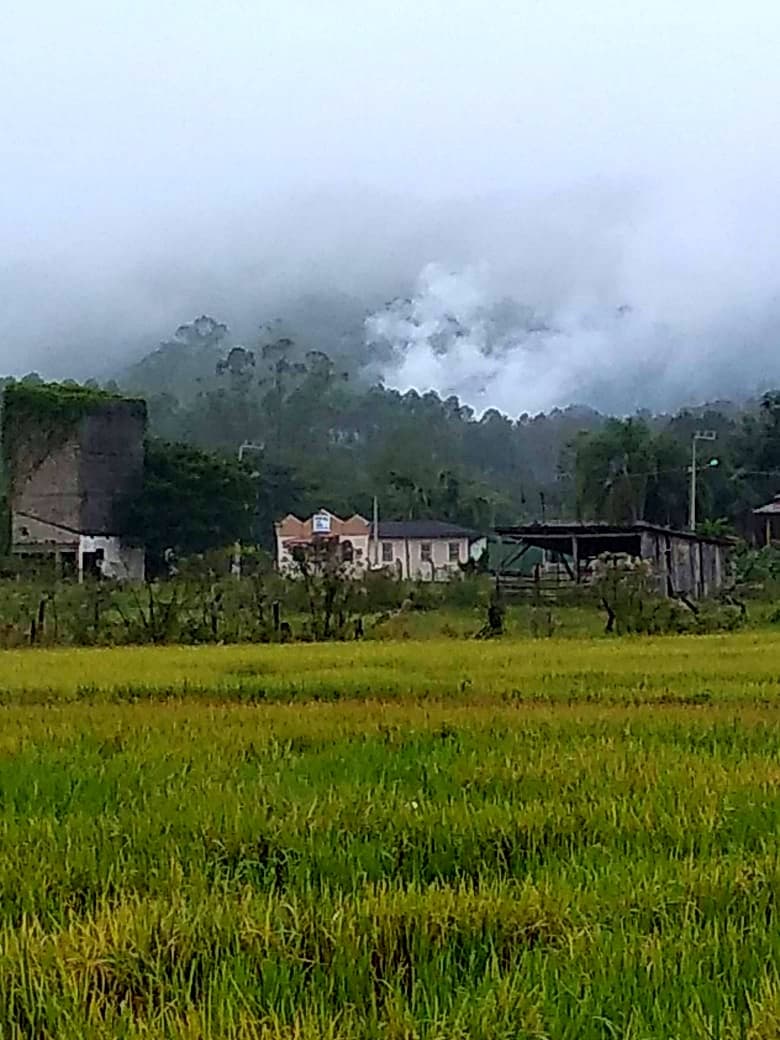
{"points": [[521, 621], [737, 668], [540, 838]]}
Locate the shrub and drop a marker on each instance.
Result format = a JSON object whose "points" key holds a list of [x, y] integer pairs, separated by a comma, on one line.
{"points": [[383, 591], [471, 590], [625, 589]]}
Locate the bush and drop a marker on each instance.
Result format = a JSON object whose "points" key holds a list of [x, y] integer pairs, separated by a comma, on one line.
{"points": [[625, 589], [623, 586], [383, 591], [472, 590], [757, 566]]}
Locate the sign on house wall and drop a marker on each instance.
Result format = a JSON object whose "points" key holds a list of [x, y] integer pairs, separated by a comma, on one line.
{"points": [[320, 523]]}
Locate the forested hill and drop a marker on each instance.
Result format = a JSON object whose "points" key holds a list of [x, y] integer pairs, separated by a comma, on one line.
{"points": [[336, 436], [324, 431]]}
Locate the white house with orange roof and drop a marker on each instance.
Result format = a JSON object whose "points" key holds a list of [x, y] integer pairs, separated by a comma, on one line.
{"points": [[421, 550], [351, 535]]}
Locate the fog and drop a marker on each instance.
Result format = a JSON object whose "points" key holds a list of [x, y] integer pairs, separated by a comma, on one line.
{"points": [[578, 202]]}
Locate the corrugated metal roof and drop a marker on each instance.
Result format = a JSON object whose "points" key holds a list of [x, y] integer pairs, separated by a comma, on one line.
{"points": [[558, 529], [770, 508]]}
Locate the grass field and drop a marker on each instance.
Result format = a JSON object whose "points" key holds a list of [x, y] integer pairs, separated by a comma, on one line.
{"points": [[735, 668], [538, 838]]}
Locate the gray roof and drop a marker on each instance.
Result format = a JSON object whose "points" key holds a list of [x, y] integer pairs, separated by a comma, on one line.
{"points": [[770, 508], [424, 529]]}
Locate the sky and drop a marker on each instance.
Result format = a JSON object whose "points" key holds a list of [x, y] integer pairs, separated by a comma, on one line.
{"points": [[162, 159]]}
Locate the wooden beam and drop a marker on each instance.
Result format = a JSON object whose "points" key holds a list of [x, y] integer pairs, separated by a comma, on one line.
{"points": [[575, 552], [503, 565], [567, 565], [517, 556]]}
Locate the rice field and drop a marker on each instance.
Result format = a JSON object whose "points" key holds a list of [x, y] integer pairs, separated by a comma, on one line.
{"points": [[736, 668], [531, 838]]}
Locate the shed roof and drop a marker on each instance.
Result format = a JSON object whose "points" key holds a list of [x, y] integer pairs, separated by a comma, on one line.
{"points": [[595, 538], [770, 508]]}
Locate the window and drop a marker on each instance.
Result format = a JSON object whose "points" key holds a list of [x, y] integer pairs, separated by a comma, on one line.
{"points": [[425, 551], [387, 552], [454, 552], [347, 551]]}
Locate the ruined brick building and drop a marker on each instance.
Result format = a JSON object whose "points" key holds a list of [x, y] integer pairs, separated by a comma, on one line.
{"points": [[73, 459]]}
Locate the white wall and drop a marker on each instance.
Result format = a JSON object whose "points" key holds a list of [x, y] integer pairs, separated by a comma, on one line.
{"points": [[477, 548], [439, 568], [120, 562]]}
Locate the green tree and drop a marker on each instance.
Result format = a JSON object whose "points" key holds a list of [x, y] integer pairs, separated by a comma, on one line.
{"points": [[191, 501], [183, 364], [613, 469], [757, 454], [278, 491]]}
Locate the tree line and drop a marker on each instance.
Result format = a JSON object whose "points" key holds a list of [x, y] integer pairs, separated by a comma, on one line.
{"points": [[317, 429]]}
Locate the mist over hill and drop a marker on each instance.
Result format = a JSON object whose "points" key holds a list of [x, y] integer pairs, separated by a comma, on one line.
{"points": [[558, 202], [578, 298], [466, 331]]}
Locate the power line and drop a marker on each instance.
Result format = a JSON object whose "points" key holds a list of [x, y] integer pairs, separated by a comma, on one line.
{"points": [[737, 474]]}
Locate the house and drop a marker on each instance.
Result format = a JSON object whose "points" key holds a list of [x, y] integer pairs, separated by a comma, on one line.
{"points": [[766, 522], [425, 550], [73, 461], [683, 562], [350, 537]]}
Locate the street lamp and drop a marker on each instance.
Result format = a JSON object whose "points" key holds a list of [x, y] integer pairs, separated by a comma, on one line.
{"points": [[699, 435]]}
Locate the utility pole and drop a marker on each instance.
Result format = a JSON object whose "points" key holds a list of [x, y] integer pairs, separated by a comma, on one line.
{"points": [[699, 435], [376, 531], [235, 568]]}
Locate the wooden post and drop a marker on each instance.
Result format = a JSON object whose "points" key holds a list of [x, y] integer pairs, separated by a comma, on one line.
{"points": [[575, 552], [376, 533]]}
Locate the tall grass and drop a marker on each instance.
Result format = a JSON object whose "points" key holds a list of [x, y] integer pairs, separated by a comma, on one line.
{"points": [[739, 667], [600, 863]]}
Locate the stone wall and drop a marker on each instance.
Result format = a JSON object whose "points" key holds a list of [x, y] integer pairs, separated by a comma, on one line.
{"points": [[111, 465], [49, 491], [82, 484]]}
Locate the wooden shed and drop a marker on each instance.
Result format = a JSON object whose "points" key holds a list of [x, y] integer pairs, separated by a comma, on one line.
{"points": [[766, 522], [684, 563]]}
